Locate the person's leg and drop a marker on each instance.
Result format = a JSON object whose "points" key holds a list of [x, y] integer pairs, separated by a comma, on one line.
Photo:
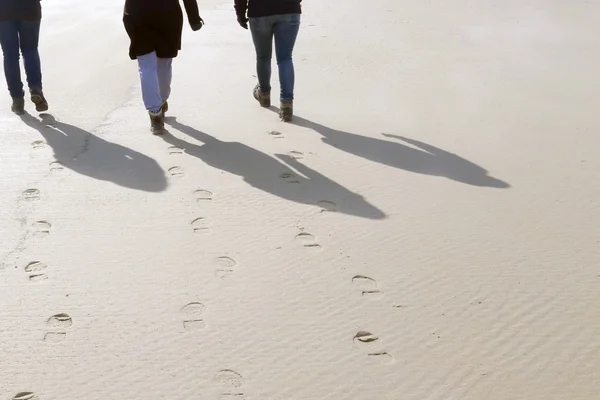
{"points": [[262, 36], [165, 75], [29, 35], [9, 39], [148, 67], [286, 32]]}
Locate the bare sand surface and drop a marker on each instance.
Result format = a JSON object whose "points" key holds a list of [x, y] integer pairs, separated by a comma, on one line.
{"points": [[426, 229]]}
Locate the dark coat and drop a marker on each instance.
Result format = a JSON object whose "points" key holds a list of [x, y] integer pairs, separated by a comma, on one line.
{"points": [[264, 8], [24, 10], [157, 25]]}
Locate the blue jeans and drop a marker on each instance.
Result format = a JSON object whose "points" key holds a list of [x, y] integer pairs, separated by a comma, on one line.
{"points": [[155, 74], [23, 36], [285, 30]]}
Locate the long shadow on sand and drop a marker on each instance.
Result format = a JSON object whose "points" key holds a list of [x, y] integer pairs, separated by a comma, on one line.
{"points": [[427, 159], [272, 175], [90, 155]]}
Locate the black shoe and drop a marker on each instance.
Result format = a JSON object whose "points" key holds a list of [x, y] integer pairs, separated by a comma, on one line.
{"points": [[286, 110], [37, 97], [157, 122], [164, 107], [18, 106]]}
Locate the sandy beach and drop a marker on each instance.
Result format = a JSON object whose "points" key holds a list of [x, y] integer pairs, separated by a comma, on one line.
{"points": [[427, 228]]}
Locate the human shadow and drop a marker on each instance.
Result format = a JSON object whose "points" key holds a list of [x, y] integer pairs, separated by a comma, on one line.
{"points": [[282, 176], [89, 155], [426, 159]]}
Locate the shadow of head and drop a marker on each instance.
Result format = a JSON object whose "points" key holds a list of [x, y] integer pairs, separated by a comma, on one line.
{"points": [[89, 155], [282, 175], [414, 156]]}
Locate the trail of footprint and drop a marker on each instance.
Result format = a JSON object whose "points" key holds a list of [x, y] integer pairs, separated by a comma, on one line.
{"points": [[200, 226], [276, 135], [289, 177], [31, 195], [174, 150], [57, 325], [176, 171], [24, 396], [41, 228], [36, 271], [231, 382], [308, 241], [327, 205], [225, 267], [203, 195], [367, 285], [193, 313]]}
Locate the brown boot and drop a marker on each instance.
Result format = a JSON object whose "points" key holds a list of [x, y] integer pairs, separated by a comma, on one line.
{"points": [[263, 98], [286, 110], [18, 106], [37, 97], [157, 122]]}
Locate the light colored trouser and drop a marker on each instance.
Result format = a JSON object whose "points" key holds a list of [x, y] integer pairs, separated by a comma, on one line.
{"points": [[155, 74]]}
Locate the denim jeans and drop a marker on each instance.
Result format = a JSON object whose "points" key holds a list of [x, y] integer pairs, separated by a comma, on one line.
{"points": [[23, 36], [155, 75], [285, 30]]}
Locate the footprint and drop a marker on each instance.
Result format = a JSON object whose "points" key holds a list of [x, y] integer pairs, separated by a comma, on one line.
{"points": [[24, 396], [193, 316], [41, 228], [308, 241], [60, 321], [35, 270], [56, 166], [38, 144], [233, 396], [203, 195], [199, 225], [31, 195], [365, 337], [176, 171], [174, 150], [296, 155], [225, 267], [276, 134], [229, 378], [383, 356], [327, 205], [289, 177], [57, 325], [367, 285]]}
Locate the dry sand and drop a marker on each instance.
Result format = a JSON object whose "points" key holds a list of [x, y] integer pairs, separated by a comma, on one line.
{"points": [[426, 229]]}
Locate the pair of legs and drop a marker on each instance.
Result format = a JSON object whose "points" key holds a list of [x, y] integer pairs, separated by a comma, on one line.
{"points": [[156, 75], [21, 37], [284, 28]]}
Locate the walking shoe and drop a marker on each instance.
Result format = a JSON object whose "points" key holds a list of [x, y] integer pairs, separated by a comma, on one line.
{"points": [[286, 110], [164, 107], [37, 97], [18, 106], [263, 98], [157, 122]]}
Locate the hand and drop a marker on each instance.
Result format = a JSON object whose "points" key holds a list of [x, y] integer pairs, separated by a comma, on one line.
{"points": [[198, 25], [243, 21]]}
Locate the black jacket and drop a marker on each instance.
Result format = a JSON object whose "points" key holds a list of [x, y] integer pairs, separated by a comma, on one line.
{"points": [[263, 8], [156, 25], [27, 10]]}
